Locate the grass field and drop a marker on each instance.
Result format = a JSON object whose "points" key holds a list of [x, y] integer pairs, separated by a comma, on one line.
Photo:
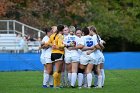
{"points": [[117, 81]]}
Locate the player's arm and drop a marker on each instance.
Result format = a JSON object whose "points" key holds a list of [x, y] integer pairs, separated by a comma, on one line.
{"points": [[87, 48], [79, 46], [93, 49]]}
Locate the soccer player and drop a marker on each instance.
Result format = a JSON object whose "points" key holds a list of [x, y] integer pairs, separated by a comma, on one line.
{"points": [[72, 44], [46, 60], [64, 77], [86, 61], [57, 54], [99, 58], [81, 79], [54, 29]]}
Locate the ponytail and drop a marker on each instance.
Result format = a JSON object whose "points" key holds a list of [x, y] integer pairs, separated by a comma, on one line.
{"points": [[98, 38], [59, 29]]}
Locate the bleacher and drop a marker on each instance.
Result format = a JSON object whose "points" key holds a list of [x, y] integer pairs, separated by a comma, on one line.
{"points": [[9, 43], [13, 43]]}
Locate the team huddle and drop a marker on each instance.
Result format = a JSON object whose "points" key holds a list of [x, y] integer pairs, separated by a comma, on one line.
{"points": [[72, 54]]}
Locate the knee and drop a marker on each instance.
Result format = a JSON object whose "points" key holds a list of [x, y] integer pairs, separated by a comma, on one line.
{"points": [[50, 72]]}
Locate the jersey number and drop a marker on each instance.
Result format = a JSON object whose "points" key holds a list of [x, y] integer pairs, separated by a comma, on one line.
{"points": [[89, 43]]}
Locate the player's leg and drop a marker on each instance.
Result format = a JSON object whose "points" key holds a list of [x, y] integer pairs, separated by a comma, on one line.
{"points": [[58, 59], [50, 72], [102, 72], [81, 70], [75, 61], [89, 74], [45, 77], [68, 68]]}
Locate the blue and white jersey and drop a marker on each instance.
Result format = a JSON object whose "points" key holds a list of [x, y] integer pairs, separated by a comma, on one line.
{"points": [[46, 52], [87, 41], [71, 39], [97, 52]]}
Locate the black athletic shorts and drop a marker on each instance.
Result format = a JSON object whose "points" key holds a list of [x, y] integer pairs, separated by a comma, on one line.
{"points": [[57, 56]]}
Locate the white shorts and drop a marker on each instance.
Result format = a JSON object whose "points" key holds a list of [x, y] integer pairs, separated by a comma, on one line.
{"points": [[72, 59], [86, 59], [99, 59], [45, 60], [42, 60]]}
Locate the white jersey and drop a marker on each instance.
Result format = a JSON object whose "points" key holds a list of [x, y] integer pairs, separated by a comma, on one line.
{"points": [[87, 59], [87, 42], [98, 53], [71, 39], [46, 52]]}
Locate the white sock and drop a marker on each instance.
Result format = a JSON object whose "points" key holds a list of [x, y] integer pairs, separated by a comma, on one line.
{"points": [[62, 78], [103, 76], [89, 79], [45, 78], [80, 79], [95, 80], [73, 79], [69, 77], [66, 78], [100, 81], [51, 80], [85, 80]]}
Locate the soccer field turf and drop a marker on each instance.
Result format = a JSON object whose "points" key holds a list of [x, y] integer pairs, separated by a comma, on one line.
{"points": [[117, 81]]}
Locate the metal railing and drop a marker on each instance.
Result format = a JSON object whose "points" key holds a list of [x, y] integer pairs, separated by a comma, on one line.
{"points": [[16, 27]]}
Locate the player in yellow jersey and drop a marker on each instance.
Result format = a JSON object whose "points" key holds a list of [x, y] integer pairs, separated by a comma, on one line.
{"points": [[57, 55]]}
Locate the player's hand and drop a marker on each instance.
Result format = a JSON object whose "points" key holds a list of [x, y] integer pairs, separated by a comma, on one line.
{"points": [[53, 46], [88, 52], [70, 48]]}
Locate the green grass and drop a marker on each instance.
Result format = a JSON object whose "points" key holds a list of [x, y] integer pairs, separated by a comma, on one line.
{"points": [[117, 81]]}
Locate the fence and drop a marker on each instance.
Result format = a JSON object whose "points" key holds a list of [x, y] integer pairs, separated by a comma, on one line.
{"points": [[16, 27], [30, 61]]}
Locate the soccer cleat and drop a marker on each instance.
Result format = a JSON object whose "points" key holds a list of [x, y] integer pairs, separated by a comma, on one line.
{"points": [[72, 87], [98, 87], [88, 87], [44, 86], [79, 87], [51, 86], [85, 86], [94, 86]]}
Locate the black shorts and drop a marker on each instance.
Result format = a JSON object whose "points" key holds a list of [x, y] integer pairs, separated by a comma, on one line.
{"points": [[57, 56]]}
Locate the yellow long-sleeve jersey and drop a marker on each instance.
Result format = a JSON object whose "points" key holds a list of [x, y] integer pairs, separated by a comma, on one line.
{"points": [[57, 42]]}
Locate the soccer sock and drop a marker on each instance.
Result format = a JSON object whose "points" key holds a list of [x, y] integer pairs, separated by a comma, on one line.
{"points": [[80, 79], [95, 80], [100, 81], [59, 79], [73, 79], [103, 76], [69, 78], [89, 79], [55, 77], [51, 80], [85, 80], [66, 78], [45, 77], [62, 78]]}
